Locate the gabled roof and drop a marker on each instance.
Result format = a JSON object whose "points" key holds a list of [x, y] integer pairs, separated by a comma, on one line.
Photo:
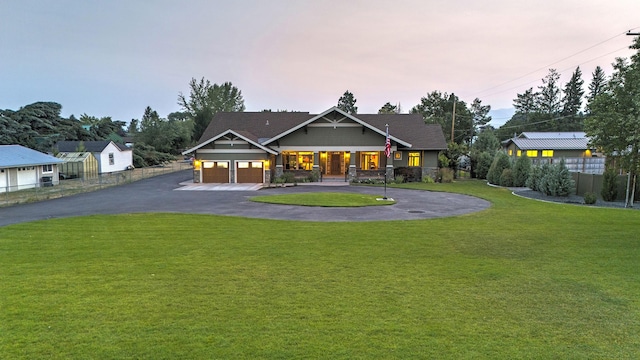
{"points": [[91, 146], [553, 135], [74, 156], [382, 132], [17, 156], [550, 144], [408, 130], [244, 135]]}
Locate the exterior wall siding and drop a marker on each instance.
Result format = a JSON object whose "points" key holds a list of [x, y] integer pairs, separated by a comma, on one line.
{"points": [[328, 136], [121, 159]]}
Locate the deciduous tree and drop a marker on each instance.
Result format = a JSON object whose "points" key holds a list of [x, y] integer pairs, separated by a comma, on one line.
{"points": [[205, 100], [614, 126]]}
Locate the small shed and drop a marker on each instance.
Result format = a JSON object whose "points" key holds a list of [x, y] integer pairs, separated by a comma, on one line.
{"points": [[81, 165], [24, 168]]}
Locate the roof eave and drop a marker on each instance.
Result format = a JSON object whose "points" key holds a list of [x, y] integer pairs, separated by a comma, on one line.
{"points": [[324, 113]]}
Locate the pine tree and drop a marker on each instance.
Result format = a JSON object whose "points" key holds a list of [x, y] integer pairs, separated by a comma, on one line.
{"points": [[347, 103], [596, 87], [572, 100], [525, 103], [548, 99]]}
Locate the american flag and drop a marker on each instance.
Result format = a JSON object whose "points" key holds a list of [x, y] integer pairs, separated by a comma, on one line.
{"points": [[387, 145]]}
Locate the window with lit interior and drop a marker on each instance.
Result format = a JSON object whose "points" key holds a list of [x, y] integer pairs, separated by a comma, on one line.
{"points": [[414, 159]]}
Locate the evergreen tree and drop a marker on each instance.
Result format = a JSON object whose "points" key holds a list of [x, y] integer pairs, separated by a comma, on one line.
{"points": [[596, 87], [480, 116], [609, 189], [525, 103], [548, 98], [500, 163], [437, 108], [521, 170], [388, 109], [572, 103], [572, 100], [347, 103]]}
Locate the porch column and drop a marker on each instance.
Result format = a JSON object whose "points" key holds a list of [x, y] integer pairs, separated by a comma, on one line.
{"points": [[316, 161], [353, 174], [279, 165]]}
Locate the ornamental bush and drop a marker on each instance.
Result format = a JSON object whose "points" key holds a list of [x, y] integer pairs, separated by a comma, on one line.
{"points": [[533, 181], [609, 190], [506, 179], [556, 180], [521, 170], [480, 164], [590, 198], [500, 162]]}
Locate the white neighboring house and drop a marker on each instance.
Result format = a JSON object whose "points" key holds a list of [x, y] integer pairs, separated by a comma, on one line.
{"points": [[111, 157], [23, 168]]}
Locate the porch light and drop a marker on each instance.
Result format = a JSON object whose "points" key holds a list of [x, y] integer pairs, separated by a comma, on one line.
{"points": [[197, 164]]}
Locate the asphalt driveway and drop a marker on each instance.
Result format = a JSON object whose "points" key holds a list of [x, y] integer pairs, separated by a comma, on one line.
{"points": [[158, 194]]}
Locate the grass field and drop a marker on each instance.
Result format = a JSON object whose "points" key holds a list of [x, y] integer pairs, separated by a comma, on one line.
{"points": [[523, 279], [325, 199]]}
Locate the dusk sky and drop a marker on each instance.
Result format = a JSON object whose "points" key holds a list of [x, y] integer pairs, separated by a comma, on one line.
{"points": [[114, 58]]}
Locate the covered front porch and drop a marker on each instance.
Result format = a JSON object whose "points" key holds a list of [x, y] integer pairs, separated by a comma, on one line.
{"points": [[334, 164]]}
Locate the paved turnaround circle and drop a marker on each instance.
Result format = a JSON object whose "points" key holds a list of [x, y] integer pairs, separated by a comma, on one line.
{"points": [[158, 194]]}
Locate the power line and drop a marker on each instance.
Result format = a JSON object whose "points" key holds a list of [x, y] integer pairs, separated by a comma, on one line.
{"points": [[559, 72], [547, 66]]}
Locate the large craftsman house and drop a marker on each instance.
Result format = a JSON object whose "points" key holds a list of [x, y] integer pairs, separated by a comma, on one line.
{"points": [[251, 147]]}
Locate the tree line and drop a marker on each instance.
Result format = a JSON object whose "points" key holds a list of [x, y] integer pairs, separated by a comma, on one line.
{"points": [[612, 101]]}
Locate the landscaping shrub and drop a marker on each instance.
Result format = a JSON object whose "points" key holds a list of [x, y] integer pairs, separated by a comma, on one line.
{"points": [[590, 198], [314, 176], [609, 190], [428, 179], [521, 170], [399, 179], [410, 174], [556, 180], [443, 161], [500, 162], [533, 181], [288, 177], [445, 175], [506, 179], [368, 181], [481, 164]]}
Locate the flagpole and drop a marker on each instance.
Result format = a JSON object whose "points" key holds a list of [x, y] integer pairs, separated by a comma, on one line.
{"points": [[387, 152]]}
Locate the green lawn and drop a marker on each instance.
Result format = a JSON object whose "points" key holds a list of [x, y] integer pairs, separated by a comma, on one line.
{"points": [[523, 279], [327, 199]]}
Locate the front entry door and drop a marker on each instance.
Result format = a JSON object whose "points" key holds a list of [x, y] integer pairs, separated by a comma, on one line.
{"points": [[336, 169]]}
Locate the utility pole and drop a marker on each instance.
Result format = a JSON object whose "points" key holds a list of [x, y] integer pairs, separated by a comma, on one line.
{"points": [[632, 34], [453, 117]]}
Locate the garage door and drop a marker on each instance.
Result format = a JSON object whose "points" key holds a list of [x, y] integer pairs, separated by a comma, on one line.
{"points": [[250, 172], [215, 172]]}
